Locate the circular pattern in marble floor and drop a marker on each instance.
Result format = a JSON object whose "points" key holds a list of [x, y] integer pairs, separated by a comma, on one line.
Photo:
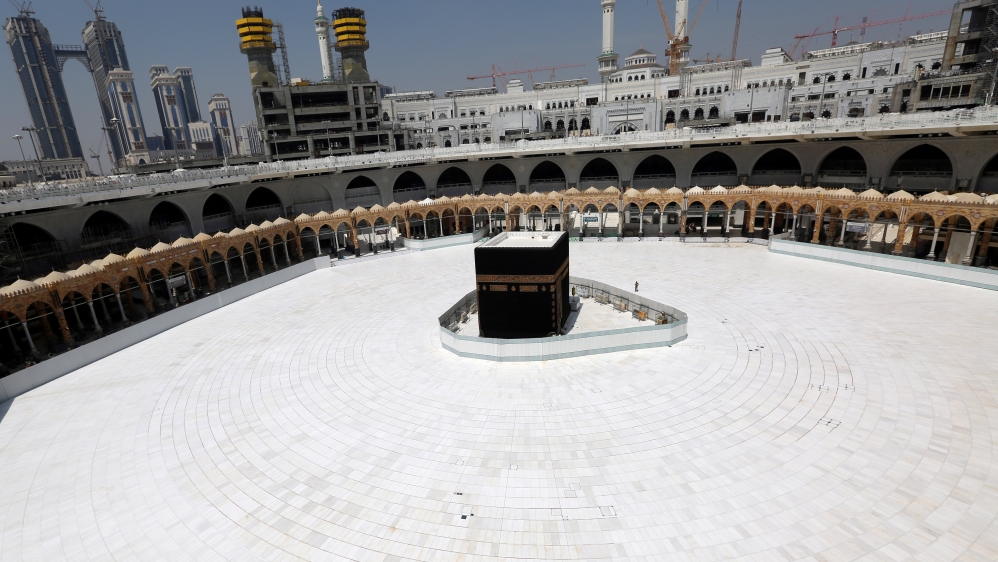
{"points": [[816, 412]]}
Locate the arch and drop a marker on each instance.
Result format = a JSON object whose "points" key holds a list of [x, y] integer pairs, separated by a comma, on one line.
{"points": [[988, 180], [654, 171], [311, 197], [499, 179], [453, 182], [684, 114], [923, 168], [409, 186], [361, 182], [698, 113], [670, 117], [105, 225], [263, 198], [31, 240], [217, 214], [599, 172], [843, 167], [715, 168], [548, 176], [778, 166], [714, 113], [168, 219]]}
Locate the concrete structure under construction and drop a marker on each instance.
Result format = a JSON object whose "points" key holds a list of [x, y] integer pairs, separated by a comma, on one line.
{"points": [[854, 80]]}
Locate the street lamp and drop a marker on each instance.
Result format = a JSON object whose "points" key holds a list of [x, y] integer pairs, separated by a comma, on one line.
{"points": [[31, 131], [26, 172]]}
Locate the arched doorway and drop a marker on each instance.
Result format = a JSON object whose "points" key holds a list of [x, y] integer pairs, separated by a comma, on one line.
{"points": [[843, 167], [409, 187], [776, 167], [32, 251], [362, 192], [217, 214], [311, 198], [599, 173], [922, 169], [167, 222], [547, 176], [988, 182], [655, 171], [715, 168], [105, 231], [499, 179], [262, 204], [454, 182]]}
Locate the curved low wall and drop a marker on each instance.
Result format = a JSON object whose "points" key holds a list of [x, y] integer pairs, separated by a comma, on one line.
{"points": [[571, 345]]}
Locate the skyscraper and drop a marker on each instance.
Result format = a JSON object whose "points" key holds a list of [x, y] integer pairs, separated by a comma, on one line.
{"points": [[106, 53], [185, 76], [226, 141], [130, 134], [37, 68], [351, 42], [172, 108]]}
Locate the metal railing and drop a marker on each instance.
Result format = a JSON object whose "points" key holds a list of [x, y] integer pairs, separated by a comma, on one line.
{"points": [[180, 180]]}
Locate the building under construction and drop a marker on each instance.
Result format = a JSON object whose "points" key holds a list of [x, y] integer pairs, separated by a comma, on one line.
{"points": [[926, 72], [299, 118]]}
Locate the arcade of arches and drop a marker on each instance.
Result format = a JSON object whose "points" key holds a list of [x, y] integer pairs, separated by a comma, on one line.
{"points": [[49, 313]]}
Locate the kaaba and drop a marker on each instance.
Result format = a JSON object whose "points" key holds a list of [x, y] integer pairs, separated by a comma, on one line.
{"points": [[522, 285]]}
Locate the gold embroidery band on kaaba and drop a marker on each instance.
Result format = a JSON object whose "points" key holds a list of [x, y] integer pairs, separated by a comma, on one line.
{"points": [[540, 279]]}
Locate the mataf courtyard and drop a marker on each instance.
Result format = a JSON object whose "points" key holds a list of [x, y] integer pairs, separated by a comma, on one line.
{"points": [[816, 411]]}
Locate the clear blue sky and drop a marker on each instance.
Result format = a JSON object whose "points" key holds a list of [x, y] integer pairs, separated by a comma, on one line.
{"points": [[415, 45]]}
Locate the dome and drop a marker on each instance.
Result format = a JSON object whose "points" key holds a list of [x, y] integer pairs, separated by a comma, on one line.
{"points": [[652, 191], [160, 246], [631, 192], [590, 190], [673, 191], [302, 217], [900, 196], [112, 258], [358, 210], [795, 189], [992, 199], [18, 286], [742, 189], [393, 205], [202, 237], [845, 192], [220, 234], [321, 215], [266, 224], [611, 189], [536, 194], [181, 242], [280, 221], [871, 194], [55, 277], [84, 269], [237, 232], [99, 264], [252, 228], [965, 197], [137, 253], [695, 190], [934, 196], [554, 195], [572, 191], [341, 213], [718, 191], [466, 196]]}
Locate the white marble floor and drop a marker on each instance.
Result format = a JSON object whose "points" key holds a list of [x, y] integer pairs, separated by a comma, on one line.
{"points": [[591, 317], [816, 412]]}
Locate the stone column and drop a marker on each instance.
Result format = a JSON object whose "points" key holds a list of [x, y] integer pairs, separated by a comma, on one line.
{"points": [[749, 217], [842, 237], [967, 259], [899, 243], [60, 317], [318, 248], [146, 297], [932, 248], [793, 228], [273, 257], [13, 340], [121, 307], [818, 223], [190, 285], [869, 235], [93, 315], [440, 220], [765, 222], [228, 272], [985, 243], [259, 260], [76, 313], [103, 306], [31, 342], [242, 258], [287, 255]]}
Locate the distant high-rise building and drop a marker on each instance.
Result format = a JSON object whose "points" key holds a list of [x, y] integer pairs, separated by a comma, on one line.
{"points": [[225, 129], [203, 139], [131, 130], [185, 75], [257, 43], [105, 50], [249, 140], [172, 108], [38, 70]]}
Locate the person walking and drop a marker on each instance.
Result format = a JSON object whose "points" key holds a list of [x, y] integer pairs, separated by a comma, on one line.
{"points": [[635, 286]]}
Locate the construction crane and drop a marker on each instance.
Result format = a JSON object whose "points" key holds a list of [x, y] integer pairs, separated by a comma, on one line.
{"points": [[834, 32], [681, 39], [738, 25], [500, 73], [793, 49]]}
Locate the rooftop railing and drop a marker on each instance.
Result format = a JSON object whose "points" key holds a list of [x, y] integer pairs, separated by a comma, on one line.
{"points": [[12, 199]]}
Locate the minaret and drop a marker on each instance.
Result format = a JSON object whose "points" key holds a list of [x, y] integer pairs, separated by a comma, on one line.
{"points": [[608, 59], [322, 30], [683, 31]]}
